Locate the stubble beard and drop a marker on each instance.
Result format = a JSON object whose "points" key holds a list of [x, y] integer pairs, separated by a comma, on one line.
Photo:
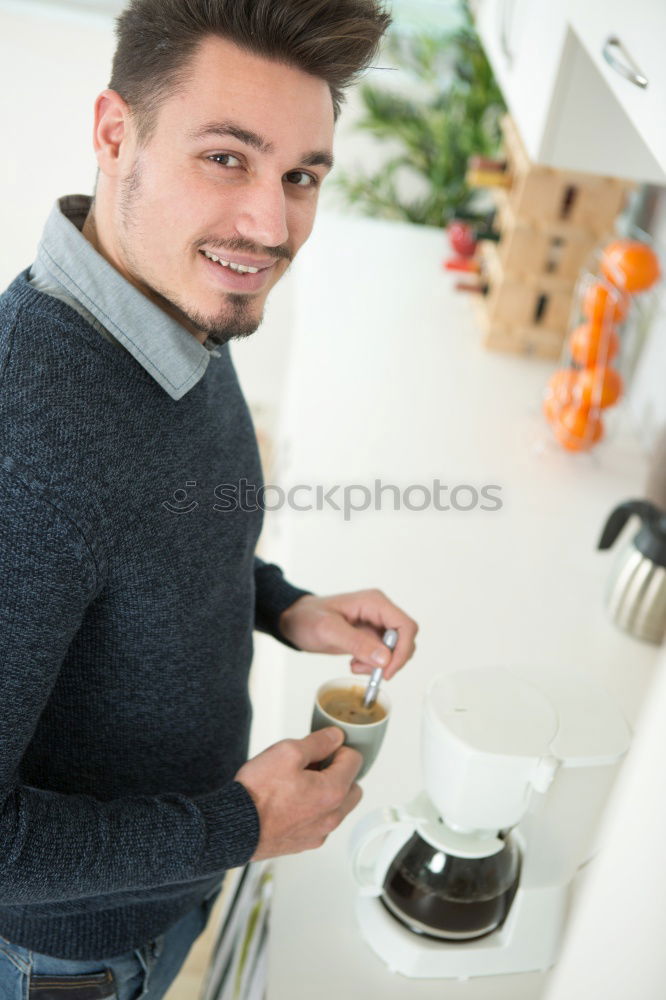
{"points": [[236, 319]]}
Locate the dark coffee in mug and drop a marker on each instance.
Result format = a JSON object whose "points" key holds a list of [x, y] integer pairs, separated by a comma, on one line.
{"points": [[346, 704]]}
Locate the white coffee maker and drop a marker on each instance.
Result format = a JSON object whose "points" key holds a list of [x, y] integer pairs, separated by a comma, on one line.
{"points": [[473, 877]]}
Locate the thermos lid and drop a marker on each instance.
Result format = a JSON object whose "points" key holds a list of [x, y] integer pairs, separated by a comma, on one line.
{"points": [[650, 540]]}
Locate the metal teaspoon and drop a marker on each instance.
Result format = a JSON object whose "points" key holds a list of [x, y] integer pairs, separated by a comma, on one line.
{"points": [[390, 639]]}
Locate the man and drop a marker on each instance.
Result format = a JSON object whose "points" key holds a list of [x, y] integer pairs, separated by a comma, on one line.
{"points": [[126, 620]]}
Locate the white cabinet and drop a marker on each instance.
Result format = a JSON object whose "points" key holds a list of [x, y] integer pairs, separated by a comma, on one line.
{"points": [[625, 43], [573, 108], [523, 40]]}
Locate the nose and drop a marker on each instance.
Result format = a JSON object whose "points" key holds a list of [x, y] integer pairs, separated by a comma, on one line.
{"points": [[262, 216]]}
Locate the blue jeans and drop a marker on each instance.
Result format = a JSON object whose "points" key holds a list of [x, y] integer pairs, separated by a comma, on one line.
{"points": [[147, 972]]}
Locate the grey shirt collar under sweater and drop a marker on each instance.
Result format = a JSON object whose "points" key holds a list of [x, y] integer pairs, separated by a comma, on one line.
{"points": [[68, 267]]}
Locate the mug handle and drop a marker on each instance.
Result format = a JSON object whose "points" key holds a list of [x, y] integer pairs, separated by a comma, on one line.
{"points": [[392, 828]]}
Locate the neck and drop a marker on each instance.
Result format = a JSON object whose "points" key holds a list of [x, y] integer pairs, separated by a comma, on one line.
{"points": [[91, 233], [90, 229]]}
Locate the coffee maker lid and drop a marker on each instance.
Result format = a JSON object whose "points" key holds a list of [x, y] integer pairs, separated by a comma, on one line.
{"points": [[493, 711], [532, 712], [592, 730]]}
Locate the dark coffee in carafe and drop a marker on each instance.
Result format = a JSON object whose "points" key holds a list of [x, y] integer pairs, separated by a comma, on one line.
{"points": [[450, 898]]}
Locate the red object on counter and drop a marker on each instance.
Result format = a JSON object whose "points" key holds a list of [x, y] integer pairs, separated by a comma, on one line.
{"points": [[462, 239], [462, 264]]}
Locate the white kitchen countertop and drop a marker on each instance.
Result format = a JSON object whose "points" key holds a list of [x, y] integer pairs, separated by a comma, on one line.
{"points": [[388, 380]]}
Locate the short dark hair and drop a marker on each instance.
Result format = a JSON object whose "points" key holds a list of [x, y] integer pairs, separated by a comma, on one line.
{"points": [[334, 40]]}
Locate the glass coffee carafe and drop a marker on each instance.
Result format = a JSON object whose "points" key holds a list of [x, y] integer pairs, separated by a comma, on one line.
{"points": [[440, 895]]}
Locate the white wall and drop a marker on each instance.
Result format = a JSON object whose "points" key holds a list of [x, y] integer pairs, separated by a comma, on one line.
{"points": [[52, 66], [613, 948]]}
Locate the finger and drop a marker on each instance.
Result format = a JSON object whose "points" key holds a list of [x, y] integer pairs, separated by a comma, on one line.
{"points": [[344, 767], [334, 818], [319, 745], [402, 652], [363, 643], [391, 616], [405, 645], [373, 608], [360, 668], [351, 800], [375, 633]]}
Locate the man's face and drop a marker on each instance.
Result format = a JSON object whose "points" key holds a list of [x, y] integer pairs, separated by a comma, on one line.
{"points": [[233, 170]]}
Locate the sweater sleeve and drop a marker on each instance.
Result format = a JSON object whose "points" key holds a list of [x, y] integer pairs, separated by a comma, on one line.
{"points": [[273, 596], [58, 847]]}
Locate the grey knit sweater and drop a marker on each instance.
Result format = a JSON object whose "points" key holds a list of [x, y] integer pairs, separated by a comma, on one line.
{"points": [[126, 618]]}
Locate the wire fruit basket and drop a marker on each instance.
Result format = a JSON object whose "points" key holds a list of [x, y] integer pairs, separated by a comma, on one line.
{"points": [[613, 300]]}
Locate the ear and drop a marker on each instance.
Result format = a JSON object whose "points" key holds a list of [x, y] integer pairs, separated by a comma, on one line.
{"points": [[112, 133]]}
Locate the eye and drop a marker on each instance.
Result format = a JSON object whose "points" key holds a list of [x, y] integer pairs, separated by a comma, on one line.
{"points": [[217, 157], [306, 180]]}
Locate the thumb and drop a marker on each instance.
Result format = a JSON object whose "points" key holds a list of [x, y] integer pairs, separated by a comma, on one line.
{"points": [[363, 646], [321, 744]]}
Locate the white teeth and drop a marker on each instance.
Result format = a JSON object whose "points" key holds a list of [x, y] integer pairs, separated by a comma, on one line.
{"points": [[241, 268]]}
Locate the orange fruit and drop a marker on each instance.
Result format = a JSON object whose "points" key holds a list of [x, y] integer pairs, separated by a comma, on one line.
{"points": [[551, 408], [559, 391], [603, 306], [631, 265], [599, 387], [590, 344], [577, 428]]}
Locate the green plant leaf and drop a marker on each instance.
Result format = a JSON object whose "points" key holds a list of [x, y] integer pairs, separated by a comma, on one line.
{"points": [[457, 119]]}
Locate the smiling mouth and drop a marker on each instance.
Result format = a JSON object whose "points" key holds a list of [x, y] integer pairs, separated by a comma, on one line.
{"points": [[237, 267], [234, 276]]}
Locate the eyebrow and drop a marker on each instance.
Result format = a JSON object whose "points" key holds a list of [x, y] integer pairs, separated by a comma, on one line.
{"points": [[317, 157]]}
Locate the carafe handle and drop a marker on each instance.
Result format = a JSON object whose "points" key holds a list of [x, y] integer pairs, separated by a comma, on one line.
{"points": [[388, 829], [618, 518]]}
